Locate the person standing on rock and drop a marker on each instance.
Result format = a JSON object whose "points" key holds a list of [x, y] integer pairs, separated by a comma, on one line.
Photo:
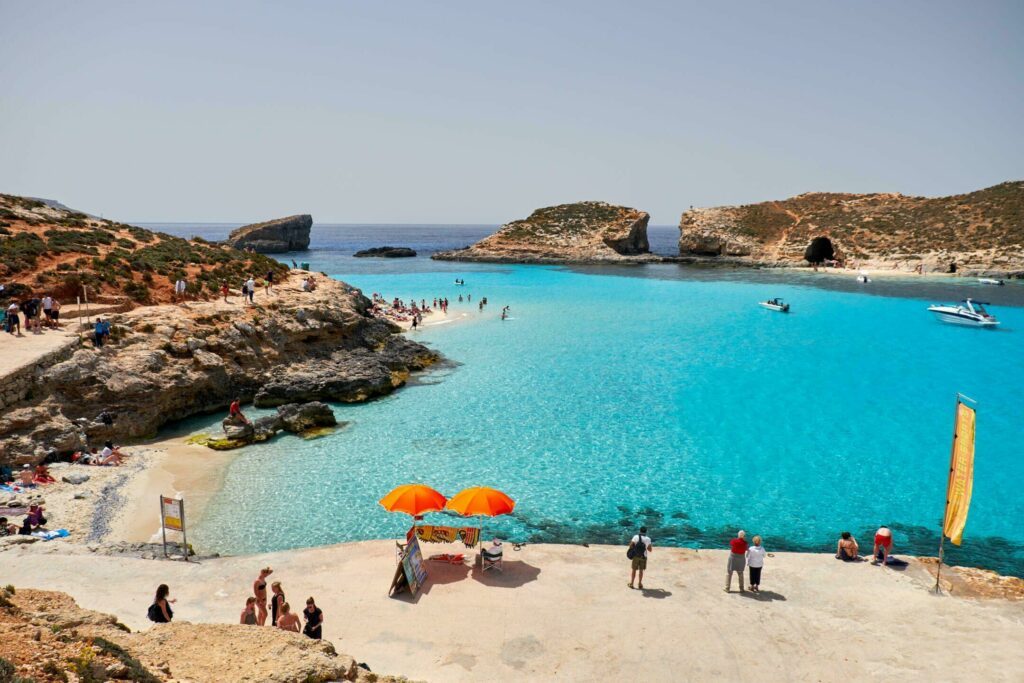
{"points": [[276, 601], [259, 589], [314, 620], [639, 546], [737, 560], [270, 281], [179, 289]]}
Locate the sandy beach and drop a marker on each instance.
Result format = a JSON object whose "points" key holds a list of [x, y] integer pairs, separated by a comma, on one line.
{"points": [[565, 612]]}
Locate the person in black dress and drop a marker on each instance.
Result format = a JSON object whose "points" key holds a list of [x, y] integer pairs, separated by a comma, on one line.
{"points": [[314, 620], [276, 601]]}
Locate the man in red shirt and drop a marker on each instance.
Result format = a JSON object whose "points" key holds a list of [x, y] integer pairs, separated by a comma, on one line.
{"points": [[737, 559], [235, 411]]}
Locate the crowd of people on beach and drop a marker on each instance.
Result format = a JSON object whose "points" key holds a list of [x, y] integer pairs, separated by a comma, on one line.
{"points": [[751, 556], [308, 621], [412, 311]]}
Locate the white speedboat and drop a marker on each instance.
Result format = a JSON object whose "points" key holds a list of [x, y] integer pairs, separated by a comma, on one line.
{"points": [[775, 305], [969, 312], [989, 281], [863, 278]]}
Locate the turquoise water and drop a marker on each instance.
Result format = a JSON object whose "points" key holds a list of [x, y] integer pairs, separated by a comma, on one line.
{"points": [[659, 396]]}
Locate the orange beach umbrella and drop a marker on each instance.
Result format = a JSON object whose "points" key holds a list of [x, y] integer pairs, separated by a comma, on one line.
{"points": [[413, 499], [481, 500]]}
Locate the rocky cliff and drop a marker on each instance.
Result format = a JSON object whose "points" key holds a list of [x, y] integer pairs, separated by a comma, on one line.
{"points": [[981, 232], [584, 232], [273, 237], [168, 362], [46, 636]]}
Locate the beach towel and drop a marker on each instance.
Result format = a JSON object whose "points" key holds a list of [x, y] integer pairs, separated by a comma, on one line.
{"points": [[50, 535]]}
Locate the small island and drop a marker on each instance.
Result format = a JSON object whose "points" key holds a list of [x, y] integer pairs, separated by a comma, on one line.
{"points": [[386, 252], [278, 236], [584, 232]]}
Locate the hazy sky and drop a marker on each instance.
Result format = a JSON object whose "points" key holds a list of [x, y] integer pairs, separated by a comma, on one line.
{"points": [[468, 112]]}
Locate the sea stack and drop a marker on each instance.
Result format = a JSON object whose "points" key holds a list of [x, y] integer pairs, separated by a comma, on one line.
{"points": [[979, 231], [274, 237], [584, 232]]}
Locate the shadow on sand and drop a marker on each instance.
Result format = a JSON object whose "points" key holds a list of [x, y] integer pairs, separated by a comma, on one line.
{"points": [[764, 596], [514, 574], [656, 593]]}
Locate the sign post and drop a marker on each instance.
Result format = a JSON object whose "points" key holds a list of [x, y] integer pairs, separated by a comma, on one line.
{"points": [[172, 516]]}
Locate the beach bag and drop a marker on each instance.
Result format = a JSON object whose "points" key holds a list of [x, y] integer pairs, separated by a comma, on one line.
{"points": [[154, 613], [637, 549]]}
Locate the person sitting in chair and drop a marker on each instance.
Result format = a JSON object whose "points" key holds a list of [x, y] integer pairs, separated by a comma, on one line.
{"points": [[495, 551]]}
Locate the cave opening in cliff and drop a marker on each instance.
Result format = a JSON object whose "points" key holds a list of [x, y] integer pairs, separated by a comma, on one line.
{"points": [[820, 249]]}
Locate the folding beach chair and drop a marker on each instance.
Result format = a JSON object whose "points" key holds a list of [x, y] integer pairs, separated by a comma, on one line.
{"points": [[489, 561]]}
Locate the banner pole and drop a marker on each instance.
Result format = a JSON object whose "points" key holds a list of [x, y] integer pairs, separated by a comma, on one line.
{"points": [[163, 529], [184, 536], [945, 509]]}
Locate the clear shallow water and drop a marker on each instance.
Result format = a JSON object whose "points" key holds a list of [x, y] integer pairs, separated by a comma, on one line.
{"points": [[665, 396]]}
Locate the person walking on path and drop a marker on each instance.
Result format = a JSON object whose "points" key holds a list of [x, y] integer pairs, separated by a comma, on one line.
{"points": [[737, 560], [314, 620], [639, 546], [160, 611], [755, 562], [250, 285], [269, 281]]}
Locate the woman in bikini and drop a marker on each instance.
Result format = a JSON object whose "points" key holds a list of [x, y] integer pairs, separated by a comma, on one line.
{"points": [[259, 589], [847, 547], [288, 620]]}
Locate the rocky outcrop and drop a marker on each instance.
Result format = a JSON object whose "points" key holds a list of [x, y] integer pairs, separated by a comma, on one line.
{"points": [[297, 418], [584, 232], [981, 231], [42, 632], [169, 362], [386, 252], [274, 237]]}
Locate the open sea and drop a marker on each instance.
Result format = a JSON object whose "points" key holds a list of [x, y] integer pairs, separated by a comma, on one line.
{"points": [[659, 395]]}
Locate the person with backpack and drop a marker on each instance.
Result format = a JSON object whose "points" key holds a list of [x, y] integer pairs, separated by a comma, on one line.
{"points": [[639, 546], [160, 611]]}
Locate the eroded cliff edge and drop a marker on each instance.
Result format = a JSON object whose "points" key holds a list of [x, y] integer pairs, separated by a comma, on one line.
{"points": [[980, 232], [584, 232]]}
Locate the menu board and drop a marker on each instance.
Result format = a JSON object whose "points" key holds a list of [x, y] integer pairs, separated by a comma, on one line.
{"points": [[412, 565]]}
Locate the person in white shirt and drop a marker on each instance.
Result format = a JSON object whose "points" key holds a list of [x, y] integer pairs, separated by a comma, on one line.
{"points": [[250, 285], [639, 546], [179, 289], [755, 561]]}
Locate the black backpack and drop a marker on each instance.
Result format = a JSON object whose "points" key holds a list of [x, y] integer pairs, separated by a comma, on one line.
{"points": [[637, 549], [154, 613]]}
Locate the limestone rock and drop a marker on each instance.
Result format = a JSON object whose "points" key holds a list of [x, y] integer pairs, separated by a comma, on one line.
{"points": [[386, 252], [296, 417], [274, 237], [75, 477], [584, 232], [979, 231]]}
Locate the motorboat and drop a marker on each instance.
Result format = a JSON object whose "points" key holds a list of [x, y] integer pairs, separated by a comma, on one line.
{"points": [[775, 305], [863, 278], [989, 281], [968, 312]]}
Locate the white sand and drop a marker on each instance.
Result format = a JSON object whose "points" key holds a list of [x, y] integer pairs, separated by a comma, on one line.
{"points": [[565, 612]]}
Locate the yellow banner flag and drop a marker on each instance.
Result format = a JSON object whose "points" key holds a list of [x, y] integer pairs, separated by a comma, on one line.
{"points": [[961, 475]]}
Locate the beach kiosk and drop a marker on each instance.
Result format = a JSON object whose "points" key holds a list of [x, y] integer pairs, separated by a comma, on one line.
{"points": [[414, 500]]}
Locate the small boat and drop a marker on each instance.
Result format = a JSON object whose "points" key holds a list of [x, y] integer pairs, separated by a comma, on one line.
{"points": [[775, 305], [863, 278], [969, 312], [989, 281]]}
